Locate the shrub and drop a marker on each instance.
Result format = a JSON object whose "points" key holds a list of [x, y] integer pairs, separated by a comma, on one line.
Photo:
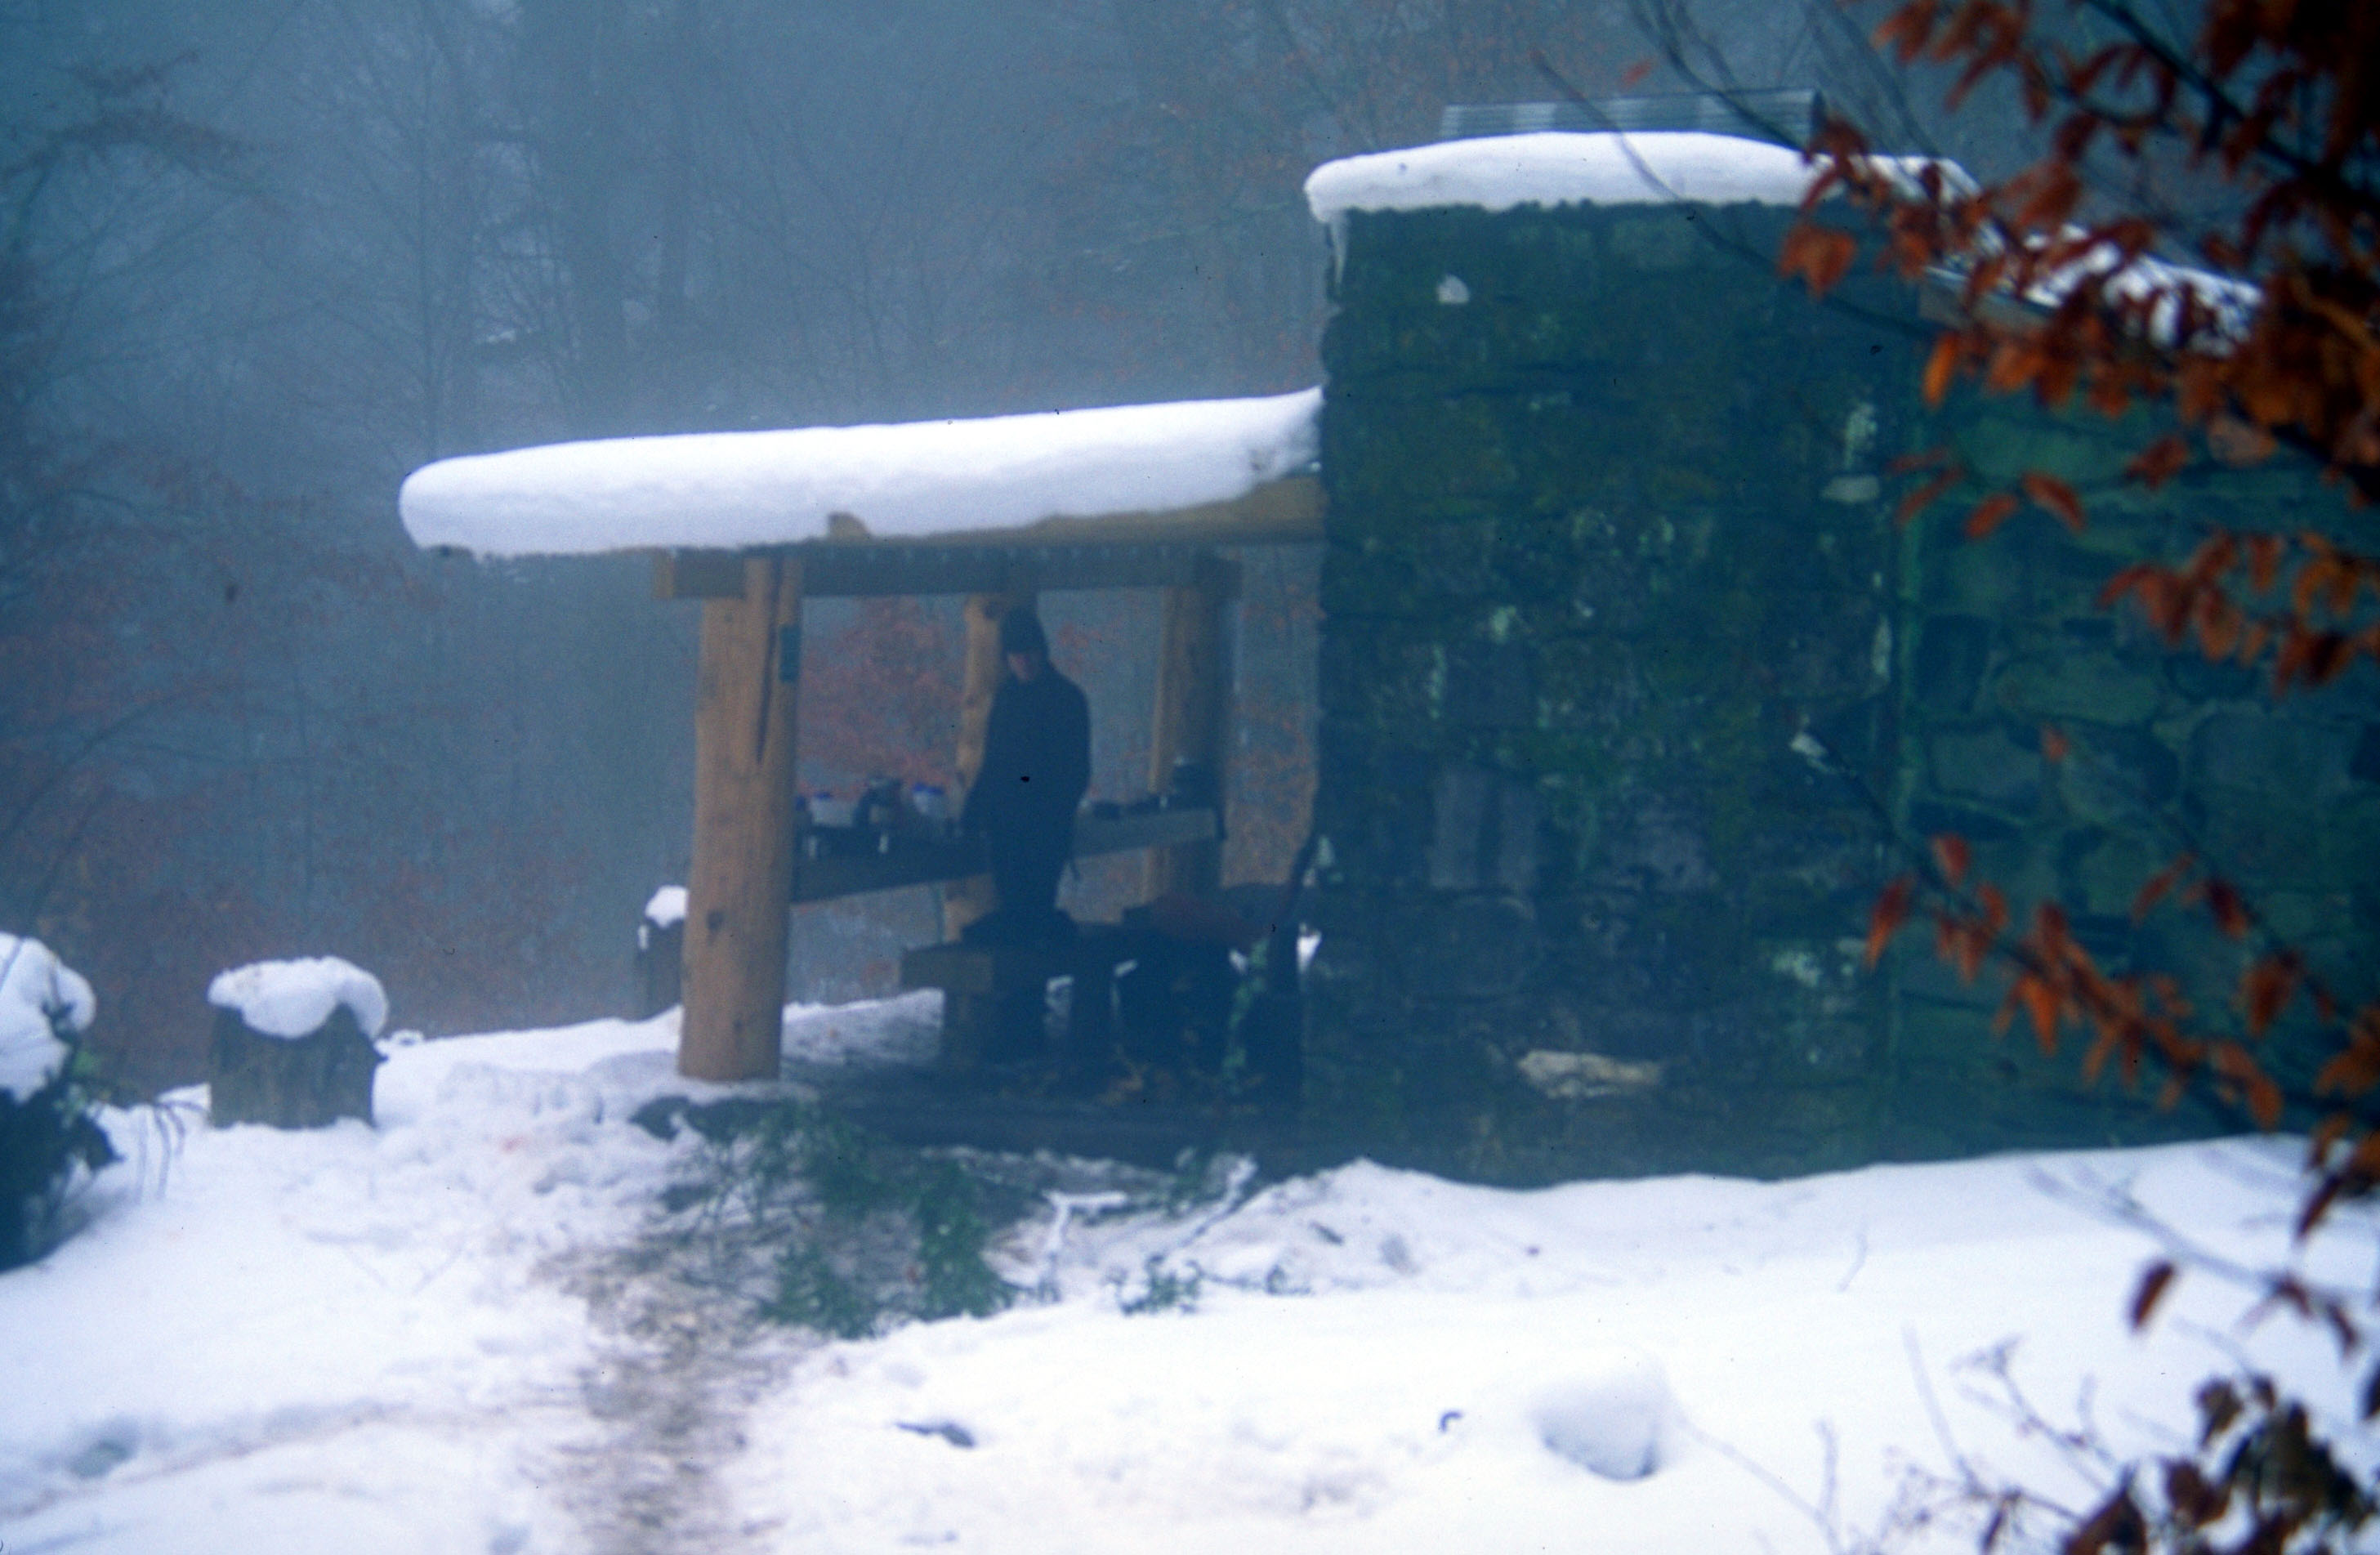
{"points": [[47, 1129], [865, 1234]]}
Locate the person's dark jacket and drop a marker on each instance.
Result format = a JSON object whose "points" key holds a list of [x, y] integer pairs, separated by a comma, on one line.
{"points": [[1037, 764]]}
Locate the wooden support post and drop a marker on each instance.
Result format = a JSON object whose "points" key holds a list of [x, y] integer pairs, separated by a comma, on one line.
{"points": [[739, 895], [967, 900], [1193, 720]]}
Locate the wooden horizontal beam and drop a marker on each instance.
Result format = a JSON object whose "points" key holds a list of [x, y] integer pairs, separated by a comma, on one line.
{"points": [[1284, 512], [698, 574], [904, 567], [1114, 551], [920, 861]]}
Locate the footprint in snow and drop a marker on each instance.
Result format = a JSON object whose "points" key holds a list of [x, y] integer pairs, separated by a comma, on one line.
{"points": [[1612, 1415], [949, 1431]]}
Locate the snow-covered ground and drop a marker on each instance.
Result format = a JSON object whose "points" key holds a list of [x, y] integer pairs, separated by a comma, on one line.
{"points": [[447, 1334]]}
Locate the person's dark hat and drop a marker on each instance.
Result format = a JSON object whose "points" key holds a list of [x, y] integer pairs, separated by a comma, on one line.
{"points": [[1020, 631]]}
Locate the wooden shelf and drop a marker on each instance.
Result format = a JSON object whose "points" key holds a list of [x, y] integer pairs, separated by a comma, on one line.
{"points": [[1155, 829], [918, 860]]}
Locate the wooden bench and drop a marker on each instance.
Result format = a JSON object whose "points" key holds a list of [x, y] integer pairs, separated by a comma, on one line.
{"points": [[978, 981]]}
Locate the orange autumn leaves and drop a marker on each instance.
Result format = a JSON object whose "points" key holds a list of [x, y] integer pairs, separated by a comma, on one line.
{"points": [[2072, 295], [2057, 987], [2056, 983], [2314, 628], [2067, 281], [2063, 289], [2066, 294]]}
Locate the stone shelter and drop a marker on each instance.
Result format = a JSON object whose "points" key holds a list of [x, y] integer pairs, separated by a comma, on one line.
{"points": [[1629, 679]]}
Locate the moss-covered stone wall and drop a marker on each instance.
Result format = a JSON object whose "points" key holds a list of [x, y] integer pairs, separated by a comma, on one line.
{"points": [[2165, 752], [1623, 664]]}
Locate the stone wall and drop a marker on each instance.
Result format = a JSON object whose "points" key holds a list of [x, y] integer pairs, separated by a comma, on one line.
{"points": [[2165, 752], [1624, 665]]}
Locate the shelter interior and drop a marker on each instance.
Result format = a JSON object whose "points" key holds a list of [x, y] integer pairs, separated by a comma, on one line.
{"points": [[757, 852]]}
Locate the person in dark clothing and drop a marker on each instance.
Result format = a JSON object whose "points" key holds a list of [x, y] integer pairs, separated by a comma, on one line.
{"points": [[1037, 763]]}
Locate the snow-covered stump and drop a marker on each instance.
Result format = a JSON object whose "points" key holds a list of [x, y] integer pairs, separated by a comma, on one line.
{"points": [[293, 1043], [661, 952]]}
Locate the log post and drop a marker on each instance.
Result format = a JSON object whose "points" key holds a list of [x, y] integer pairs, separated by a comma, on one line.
{"points": [[303, 1082], [967, 900], [661, 965], [1192, 718], [740, 894]]}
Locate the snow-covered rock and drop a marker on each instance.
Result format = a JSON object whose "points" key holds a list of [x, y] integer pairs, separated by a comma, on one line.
{"points": [[292, 999]]}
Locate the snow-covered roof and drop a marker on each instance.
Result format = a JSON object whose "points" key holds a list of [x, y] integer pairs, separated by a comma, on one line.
{"points": [[293, 999], [33, 982], [666, 906], [2157, 288], [918, 479], [1561, 167]]}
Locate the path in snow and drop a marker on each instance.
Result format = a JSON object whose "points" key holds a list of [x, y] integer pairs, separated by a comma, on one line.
{"points": [[681, 1356]]}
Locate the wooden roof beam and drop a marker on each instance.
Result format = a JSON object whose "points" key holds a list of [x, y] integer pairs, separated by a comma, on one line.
{"points": [[1116, 550]]}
